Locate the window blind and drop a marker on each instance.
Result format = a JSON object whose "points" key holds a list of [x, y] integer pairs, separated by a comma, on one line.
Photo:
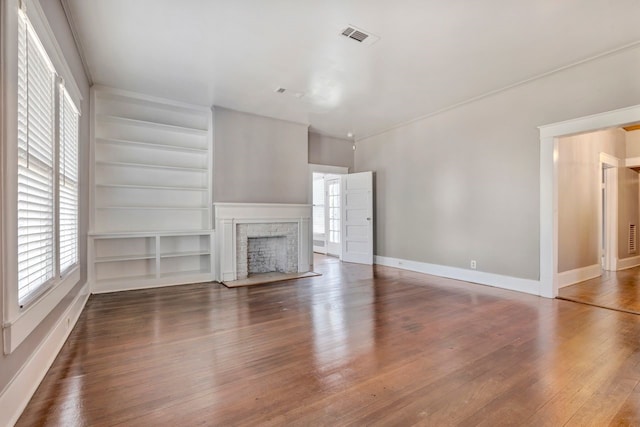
{"points": [[68, 181], [36, 104]]}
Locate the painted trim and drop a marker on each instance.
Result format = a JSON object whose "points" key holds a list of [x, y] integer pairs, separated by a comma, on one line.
{"points": [[577, 275], [16, 395], [624, 263], [482, 278], [611, 220], [608, 250], [610, 160], [632, 162]]}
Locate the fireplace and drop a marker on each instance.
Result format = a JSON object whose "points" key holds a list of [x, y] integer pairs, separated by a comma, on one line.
{"points": [[266, 247], [254, 238]]}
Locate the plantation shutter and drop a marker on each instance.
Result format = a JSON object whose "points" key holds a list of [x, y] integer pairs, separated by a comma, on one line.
{"points": [[68, 181], [36, 104]]}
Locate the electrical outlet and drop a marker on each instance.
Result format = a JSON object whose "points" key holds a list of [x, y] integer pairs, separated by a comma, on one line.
{"points": [[473, 264]]}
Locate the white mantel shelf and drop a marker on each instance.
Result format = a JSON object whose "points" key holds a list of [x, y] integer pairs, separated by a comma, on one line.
{"points": [[261, 210], [229, 215]]}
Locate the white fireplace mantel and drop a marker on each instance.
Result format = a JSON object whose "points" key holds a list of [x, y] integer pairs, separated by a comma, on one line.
{"points": [[229, 215]]}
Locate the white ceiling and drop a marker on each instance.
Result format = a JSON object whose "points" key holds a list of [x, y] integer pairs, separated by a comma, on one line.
{"points": [[432, 54]]}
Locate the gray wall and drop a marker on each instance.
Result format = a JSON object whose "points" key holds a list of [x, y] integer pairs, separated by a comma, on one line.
{"points": [[578, 194], [326, 150], [12, 364], [464, 184], [258, 159]]}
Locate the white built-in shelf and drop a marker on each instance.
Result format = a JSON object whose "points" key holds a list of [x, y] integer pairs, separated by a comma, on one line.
{"points": [[124, 258], [151, 200], [152, 187], [167, 233], [183, 254], [152, 166], [150, 124], [150, 145], [154, 208]]}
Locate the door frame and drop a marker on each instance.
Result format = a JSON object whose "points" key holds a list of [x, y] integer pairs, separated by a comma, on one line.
{"points": [[315, 168], [549, 135], [608, 165]]}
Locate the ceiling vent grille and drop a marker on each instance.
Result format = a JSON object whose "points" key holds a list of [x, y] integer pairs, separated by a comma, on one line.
{"points": [[359, 35], [632, 239]]}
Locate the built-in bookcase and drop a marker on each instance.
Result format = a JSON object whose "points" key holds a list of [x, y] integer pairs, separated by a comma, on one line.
{"points": [[151, 191]]}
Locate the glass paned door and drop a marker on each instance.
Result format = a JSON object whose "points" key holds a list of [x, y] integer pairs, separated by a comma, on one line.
{"points": [[333, 202]]}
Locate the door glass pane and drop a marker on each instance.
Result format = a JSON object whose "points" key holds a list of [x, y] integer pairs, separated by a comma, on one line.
{"points": [[334, 210]]}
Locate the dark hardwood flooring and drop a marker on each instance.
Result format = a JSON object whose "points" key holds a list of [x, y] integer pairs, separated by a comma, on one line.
{"points": [[616, 290], [359, 345]]}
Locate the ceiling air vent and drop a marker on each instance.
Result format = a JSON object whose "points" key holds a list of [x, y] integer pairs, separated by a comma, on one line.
{"points": [[359, 35], [293, 93]]}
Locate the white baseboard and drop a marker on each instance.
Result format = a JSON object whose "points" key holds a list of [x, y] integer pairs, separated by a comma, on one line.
{"points": [[16, 395], [623, 264], [577, 275], [496, 280]]}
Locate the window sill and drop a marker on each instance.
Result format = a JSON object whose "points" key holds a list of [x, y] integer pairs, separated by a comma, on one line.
{"points": [[16, 330]]}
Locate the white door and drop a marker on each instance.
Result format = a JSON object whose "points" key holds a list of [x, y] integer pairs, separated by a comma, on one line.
{"points": [[357, 218]]}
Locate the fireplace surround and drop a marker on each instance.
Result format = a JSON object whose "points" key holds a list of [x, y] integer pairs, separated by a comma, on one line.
{"points": [[288, 225]]}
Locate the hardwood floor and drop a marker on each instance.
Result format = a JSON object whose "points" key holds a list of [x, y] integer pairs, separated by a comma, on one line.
{"points": [[357, 346], [616, 290]]}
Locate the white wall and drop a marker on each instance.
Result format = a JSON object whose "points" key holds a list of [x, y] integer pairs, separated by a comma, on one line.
{"points": [[258, 159], [464, 184], [13, 363]]}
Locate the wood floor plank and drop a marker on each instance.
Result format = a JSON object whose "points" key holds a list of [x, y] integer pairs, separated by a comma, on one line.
{"points": [[359, 345]]}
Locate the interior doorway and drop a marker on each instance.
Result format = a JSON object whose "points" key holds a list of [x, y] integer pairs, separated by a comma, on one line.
{"points": [[549, 224], [326, 190]]}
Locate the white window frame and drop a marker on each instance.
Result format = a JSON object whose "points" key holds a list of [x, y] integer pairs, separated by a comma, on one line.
{"points": [[18, 322]]}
